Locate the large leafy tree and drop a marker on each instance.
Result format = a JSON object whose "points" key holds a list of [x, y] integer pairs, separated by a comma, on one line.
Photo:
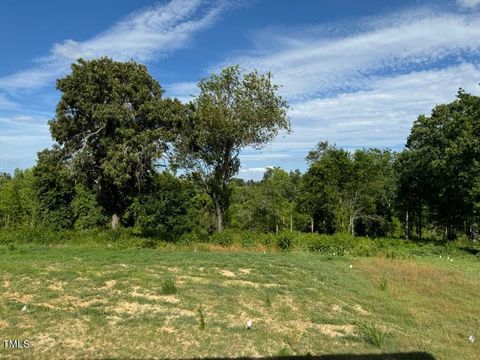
{"points": [[442, 164], [231, 112], [112, 124]]}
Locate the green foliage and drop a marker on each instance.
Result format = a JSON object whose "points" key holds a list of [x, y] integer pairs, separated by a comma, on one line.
{"points": [[18, 203], [224, 238], [87, 212], [349, 192], [285, 241], [440, 170], [112, 125], [168, 287], [231, 112], [169, 210], [373, 335]]}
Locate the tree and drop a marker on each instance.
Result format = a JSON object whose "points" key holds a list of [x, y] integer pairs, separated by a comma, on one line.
{"points": [[18, 205], [54, 188], [230, 113], [112, 125], [443, 167], [348, 192]]}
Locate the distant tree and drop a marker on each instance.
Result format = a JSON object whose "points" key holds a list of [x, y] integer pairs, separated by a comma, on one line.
{"points": [[18, 205], [167, 210], [112, 124], [230, 113], [348, 192], [442, 162], [54, 189]]}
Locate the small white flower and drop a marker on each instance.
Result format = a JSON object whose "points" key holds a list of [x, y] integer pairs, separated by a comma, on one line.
{"points": [[334, 254], [451, 260], [471, 338], [24, 308], [249, 324], [195, 250], [440, 256], [351, 266]]}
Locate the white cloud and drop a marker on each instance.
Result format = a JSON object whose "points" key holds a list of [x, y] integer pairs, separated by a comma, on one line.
{"points": [[144, 35], [6, 104], [317, 66], [468, 3], [184, 91], [379, 117]]}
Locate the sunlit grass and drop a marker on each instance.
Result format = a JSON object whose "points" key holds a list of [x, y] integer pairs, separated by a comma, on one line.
{"points": [[86, 302]]}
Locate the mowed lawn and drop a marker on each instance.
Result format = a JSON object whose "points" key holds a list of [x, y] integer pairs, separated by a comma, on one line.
{"points": [[106, 302]]}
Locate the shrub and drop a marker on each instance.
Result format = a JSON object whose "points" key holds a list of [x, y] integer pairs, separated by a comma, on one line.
{"points": [[189, 238], [223, 238], [285, 241]]}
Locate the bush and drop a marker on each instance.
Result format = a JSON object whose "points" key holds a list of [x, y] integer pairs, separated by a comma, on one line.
{"points": [[189, 238], [285, 241], [224, 238]]}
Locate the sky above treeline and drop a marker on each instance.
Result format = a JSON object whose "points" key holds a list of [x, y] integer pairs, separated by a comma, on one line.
{"points": [[355, 73]]}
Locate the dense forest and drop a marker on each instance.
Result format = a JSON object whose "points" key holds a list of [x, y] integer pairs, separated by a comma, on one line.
{"points": [[125, 155]]}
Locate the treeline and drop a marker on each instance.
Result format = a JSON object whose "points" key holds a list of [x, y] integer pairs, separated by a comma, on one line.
{"points": [[127, 156]]}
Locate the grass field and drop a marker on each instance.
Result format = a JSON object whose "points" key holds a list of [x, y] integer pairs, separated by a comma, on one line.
{"points": [[106, 302]]}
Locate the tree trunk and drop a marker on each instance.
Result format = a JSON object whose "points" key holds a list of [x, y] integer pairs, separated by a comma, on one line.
{"points": [[276, 229], [115, 221], [407, 226], [291, 222], [351, 225], [312, 224], [218, 213]]}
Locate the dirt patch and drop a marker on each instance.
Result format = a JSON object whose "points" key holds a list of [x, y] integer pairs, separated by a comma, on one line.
{"points": [[130, 308], [23, 298], [245, 271], [227, 273], [110, 284], [335, 330], [336, 309], [56, 286], [68, 301], [6, 282], [3, 324], [358, 308]]}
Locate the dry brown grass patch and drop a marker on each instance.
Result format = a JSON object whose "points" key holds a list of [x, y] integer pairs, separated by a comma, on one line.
{"points": [[411, 275], [3, 324]]}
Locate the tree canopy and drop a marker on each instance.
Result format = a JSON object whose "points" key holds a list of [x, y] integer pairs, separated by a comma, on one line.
{"points": [[231, 112], [112, 124]]}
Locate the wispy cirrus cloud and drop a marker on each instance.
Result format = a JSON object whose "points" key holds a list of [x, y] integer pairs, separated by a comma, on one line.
{"points": [[365, 84], [6, 104], [144, 35], [318, 65], [468, 3]]}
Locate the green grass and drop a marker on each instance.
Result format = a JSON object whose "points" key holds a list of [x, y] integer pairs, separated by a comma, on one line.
{"points": [[107, 302]]}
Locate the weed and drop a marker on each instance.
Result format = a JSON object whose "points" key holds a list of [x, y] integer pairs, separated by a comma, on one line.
{"points": [[168, 287], [373, 335], [201, 319], [268, 300], [284, 351], [383, 285]]}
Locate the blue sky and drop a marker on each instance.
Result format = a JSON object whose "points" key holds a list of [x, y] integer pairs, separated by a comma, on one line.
{"points": [[356, 73]]}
